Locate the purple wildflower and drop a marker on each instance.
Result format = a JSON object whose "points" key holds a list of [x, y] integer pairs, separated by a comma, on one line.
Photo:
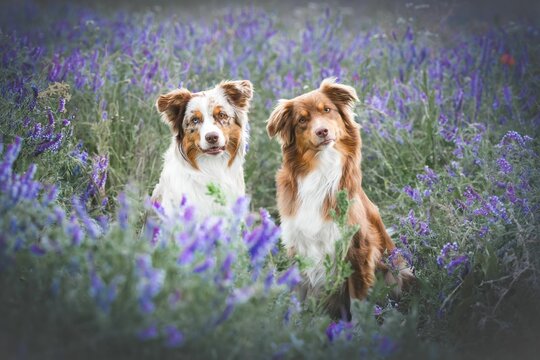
{"points": [[98, 177], [50, 116], [471, 195], [90, 225], [412, 219], [483, 231], [50, 194], [226, 273], [291, 277], [261, 240], [227, 312], [340, 329], [61, 105], [511, 193], [187, 255], [445, 251], [148, 333], [504, 166], [103, 294], [456, 262], [269, 279], [80, 154], [512, 137], [204, 266], [37, 250], [174, 298], [123, 211], [450, 259], [240, 210], [397, 254], [173, 336], [294, 308], [241, 296], [74, 231], [150, 282], [59, 215], [429, 178], [413, 193], [52, 144], [423, 228], [385, 346], [18, 187]]}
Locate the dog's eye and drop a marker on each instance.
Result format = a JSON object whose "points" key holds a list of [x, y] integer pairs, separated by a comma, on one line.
{"points": [[302, 120], [222, 116], [195, 120], [326, 109]]}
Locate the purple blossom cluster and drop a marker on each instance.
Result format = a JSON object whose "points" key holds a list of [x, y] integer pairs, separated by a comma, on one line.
{"points": [[450, 259], [419, 227], [98, 178], [103, 294], [150, 282], [260, 240], [427, 180], [340, 330], [490, 208], [172, 335], [17, 187], [48, 137]]}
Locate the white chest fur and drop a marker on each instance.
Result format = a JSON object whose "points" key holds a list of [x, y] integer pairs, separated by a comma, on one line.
{"points": [[178, 178], [311, 236]]}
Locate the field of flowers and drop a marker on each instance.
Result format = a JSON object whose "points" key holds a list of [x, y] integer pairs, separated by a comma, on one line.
{"points": [[450, 123]]}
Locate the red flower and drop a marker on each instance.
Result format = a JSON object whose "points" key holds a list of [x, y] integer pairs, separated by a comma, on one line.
{"points": [[507, 59]]}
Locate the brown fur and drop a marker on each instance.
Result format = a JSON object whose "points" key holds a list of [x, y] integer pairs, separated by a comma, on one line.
{"points": [[239, 92], [299, 149]]}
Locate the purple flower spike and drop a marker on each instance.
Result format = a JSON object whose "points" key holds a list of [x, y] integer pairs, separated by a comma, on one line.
{"points": [[37, 250], [291, 277], [150, 282], [413, 194], [123, 211], [504, 166], [62, 105], [450, 259], [173, 336], [340, 329], [148, 333]]}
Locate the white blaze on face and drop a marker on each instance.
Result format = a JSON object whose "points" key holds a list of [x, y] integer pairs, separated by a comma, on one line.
{"points": [[208, 125]]}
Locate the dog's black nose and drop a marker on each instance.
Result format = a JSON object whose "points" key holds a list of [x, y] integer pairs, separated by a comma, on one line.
{"points": [[212, 137], [321, 132]]}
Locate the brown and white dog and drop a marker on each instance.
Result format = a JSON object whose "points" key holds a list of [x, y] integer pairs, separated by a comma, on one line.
{"points": [[209, 136], [321, 155]]}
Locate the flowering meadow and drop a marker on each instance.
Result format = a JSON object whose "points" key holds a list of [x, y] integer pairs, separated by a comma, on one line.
{"points": [[449, 115]]}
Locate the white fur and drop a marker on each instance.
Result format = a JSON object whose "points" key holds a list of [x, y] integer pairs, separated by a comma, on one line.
{"points": [[179, 178], [201, 104], [307, 231]]}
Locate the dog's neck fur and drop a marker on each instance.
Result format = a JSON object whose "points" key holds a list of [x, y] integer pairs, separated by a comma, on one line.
{"points": [[308, 230], [179, 178]]}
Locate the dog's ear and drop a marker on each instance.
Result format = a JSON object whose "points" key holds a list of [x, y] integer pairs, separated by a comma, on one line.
{"points": [[172, 107], [238, 93], [343, 96], [279, 122]]}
